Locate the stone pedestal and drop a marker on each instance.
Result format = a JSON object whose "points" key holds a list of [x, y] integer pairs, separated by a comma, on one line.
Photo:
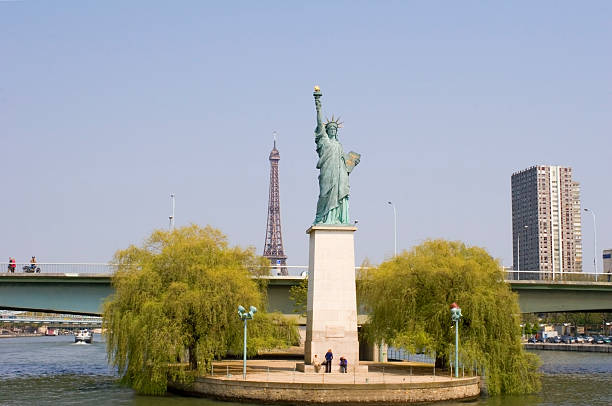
{"points": [[332, 302]]}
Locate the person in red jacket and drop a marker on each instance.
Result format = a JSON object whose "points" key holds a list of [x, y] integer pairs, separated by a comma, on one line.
{"points": [[12, 265]]}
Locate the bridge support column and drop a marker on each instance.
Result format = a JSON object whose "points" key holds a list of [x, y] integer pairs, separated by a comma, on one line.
{"points": [[373, 352]]}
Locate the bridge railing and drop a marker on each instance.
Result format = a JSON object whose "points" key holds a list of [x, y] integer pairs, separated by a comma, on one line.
{"points": [[294, 270], [61, 268], [526, 275], [46, 320]]}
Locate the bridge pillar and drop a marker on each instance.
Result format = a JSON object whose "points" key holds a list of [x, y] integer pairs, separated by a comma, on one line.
{"points": [[373, 352]]}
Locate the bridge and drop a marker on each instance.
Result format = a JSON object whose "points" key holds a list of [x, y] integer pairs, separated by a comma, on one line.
{"points": [[59, 321], [83, 289]]}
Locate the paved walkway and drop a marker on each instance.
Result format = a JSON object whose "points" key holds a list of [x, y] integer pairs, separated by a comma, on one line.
{"points": [[284, 371]]}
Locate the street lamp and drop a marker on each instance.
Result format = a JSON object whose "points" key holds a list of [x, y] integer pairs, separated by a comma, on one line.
{"points": [[244, 316], [171, 226], [594, 240], [455, 316], [394, 227]]}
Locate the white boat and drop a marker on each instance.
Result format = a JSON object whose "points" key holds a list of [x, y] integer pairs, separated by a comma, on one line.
{"points": [[83, 336]]}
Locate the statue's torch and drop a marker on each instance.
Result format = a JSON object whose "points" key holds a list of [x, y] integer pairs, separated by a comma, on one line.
{"points": [[317, 93]]}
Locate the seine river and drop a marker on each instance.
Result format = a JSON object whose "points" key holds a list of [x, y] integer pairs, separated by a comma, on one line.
{"points": [[56, 371]]}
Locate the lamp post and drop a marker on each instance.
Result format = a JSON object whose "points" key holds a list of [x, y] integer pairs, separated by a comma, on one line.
{"points": [[394, 227], [594, 241], [171, 226], [244, 316], [523, 327], [455, 316]]}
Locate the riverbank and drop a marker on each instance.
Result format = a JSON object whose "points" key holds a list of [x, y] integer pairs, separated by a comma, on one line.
{"points": [[21, 335], [277, 381], [605, 348]]}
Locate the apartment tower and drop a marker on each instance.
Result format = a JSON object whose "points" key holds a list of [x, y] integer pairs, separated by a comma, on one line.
{"points": [[546, 225]]}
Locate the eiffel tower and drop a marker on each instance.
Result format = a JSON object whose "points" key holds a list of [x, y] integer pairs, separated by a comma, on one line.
{"points": [[273, 248]]}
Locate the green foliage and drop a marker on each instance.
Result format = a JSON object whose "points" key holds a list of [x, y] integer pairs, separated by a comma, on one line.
{"points": [[299, 295], [176, 300], [584, 319], [269, 331], [408, 299], [530, 329]]}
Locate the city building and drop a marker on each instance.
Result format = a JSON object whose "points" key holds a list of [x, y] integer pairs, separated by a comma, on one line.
{"points": [[273, 247], [607, 262], [546, 223]]}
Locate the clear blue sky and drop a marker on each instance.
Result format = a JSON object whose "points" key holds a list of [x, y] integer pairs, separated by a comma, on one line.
{"points": [[108, 107]]}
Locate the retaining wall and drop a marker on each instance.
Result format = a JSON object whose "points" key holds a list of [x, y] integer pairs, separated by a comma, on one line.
{"points": [[569, 347], [338, 394]]}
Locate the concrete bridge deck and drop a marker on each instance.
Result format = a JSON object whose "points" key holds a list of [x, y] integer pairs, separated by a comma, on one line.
{"points": [[73, 293]]}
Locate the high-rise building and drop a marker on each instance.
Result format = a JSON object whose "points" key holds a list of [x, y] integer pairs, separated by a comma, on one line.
{"points": [[546, 225], [607, 263], [273, 247]]}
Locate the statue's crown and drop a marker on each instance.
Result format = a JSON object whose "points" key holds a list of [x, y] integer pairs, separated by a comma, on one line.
{"points": [[333, 121]]}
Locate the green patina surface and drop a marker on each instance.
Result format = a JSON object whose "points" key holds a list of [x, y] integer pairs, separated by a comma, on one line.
{"points": [[334, 169]]}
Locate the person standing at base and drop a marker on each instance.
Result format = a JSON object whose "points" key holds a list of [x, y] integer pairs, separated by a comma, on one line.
{"points": [[329, 356], [343, 365], [316, 364]]}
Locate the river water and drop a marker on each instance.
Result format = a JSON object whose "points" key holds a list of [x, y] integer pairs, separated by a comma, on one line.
{"points": [[56, 371]]}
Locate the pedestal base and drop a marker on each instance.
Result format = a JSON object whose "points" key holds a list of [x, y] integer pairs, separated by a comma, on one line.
{"points": [[332, 304]]}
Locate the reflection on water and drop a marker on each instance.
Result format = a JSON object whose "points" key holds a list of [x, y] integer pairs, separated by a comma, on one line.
{"points": [[568, 379], [56, 371]]}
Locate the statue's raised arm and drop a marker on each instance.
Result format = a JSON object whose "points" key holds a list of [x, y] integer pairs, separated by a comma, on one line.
{"points": [[317, 96]]}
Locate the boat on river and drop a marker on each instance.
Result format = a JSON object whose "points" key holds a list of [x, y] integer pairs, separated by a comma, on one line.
{"points": [[51, 332], [83, 336]]}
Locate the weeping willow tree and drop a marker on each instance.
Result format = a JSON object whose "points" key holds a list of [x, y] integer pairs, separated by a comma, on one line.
{"points": [[175, 303], [408, 301], [299, 295]]}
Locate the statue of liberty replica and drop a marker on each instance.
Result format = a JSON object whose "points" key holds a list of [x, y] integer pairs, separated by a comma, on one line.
{"points": [[335, 167], [331, 309]]}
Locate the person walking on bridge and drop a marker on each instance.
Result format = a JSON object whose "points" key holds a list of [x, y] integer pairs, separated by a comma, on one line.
{"points": [[12, 265], [33, 263]]}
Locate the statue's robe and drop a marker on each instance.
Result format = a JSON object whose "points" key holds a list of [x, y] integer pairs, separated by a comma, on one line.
{"points": [[332, 206]]}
